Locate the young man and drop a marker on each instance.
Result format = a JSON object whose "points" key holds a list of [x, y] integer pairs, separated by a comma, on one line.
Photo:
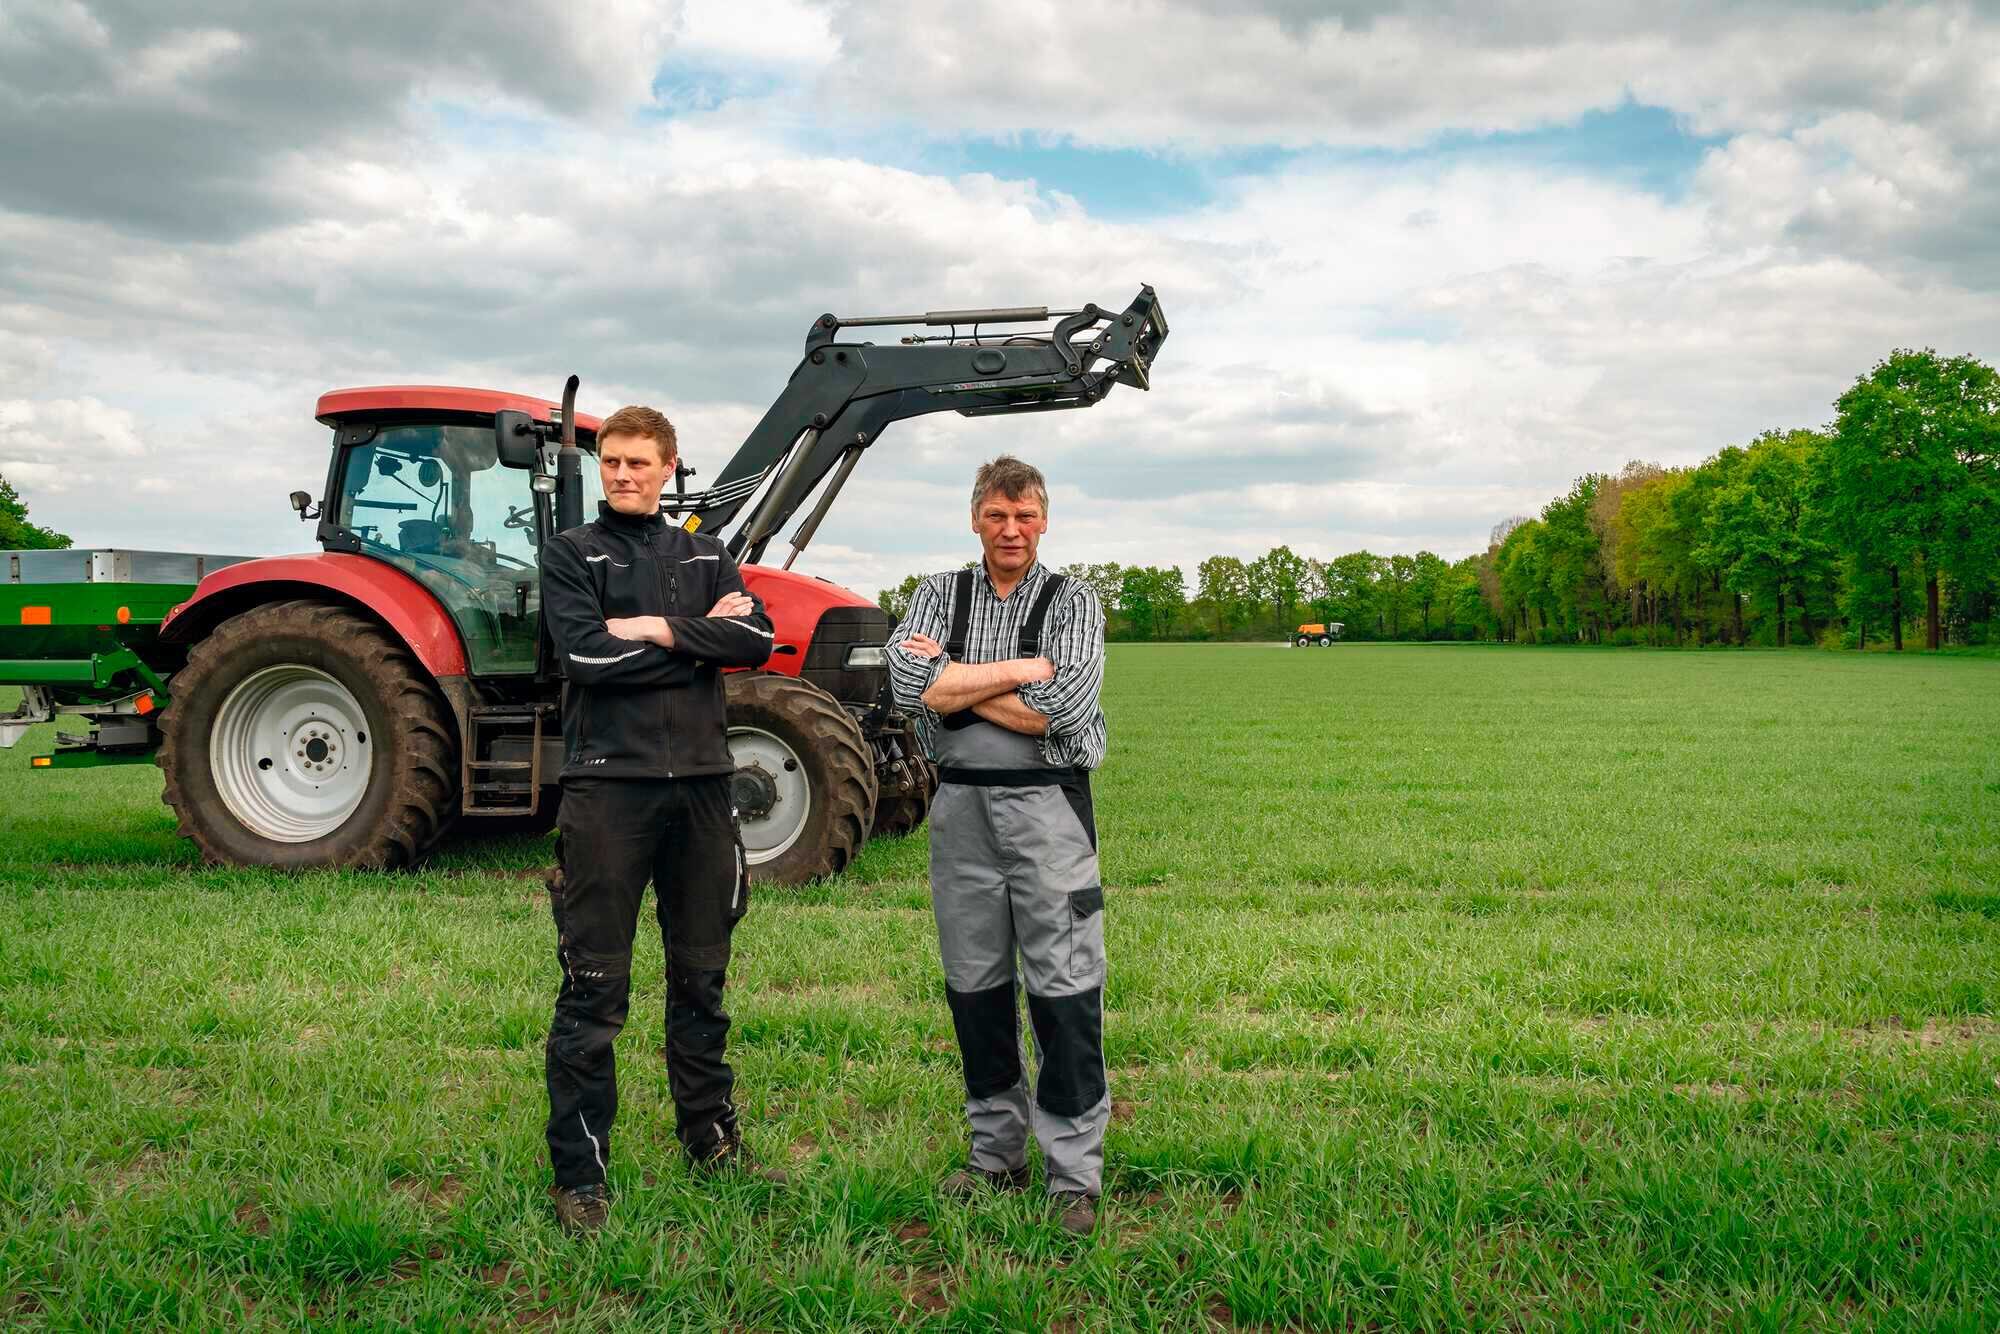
{"points": [[643, 617], [1001, 666]]}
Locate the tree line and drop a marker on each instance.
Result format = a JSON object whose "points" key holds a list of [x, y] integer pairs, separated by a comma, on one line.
{"points": [[16, 532], [1881, 525]]}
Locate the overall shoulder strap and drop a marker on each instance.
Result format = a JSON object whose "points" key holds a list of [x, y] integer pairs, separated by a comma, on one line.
{"points": [[961, 615], [1031, 633]]}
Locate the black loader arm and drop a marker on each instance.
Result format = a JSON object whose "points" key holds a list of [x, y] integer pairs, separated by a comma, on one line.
{"points": [[844, 394]]}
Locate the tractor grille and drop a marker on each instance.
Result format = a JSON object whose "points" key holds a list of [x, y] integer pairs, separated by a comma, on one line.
{"points": [[839, 629]]}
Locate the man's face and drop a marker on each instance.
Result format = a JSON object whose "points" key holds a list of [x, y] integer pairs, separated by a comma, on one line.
{"points": [[1009, 531], [633, 472]]}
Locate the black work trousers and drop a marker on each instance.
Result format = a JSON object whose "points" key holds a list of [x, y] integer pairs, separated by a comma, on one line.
{"points": [[615, 835]]}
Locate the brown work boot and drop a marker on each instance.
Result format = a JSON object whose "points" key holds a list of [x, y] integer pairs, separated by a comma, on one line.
{"points": [[730, 1154], [1079, 1211], [970, 1182], [581, 1210]]}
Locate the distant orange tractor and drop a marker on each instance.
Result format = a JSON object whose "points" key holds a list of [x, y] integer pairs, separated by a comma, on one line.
{"points": [[1318, 633]]}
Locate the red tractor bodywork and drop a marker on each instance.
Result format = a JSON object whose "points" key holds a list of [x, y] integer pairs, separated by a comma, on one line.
{"points": [[382, 590], [795, 603], [431, 399]]}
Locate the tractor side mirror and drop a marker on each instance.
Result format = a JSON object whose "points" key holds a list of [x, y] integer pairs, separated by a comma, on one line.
{"points": [[514, 439]]}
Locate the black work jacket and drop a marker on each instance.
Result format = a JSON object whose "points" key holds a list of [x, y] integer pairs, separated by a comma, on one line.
{"points": [[632, 709]]}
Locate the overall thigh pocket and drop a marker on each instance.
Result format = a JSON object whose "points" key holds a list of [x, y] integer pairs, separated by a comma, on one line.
{"points": [[1086, 937]]}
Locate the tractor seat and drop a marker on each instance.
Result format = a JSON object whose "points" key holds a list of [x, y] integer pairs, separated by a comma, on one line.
{"points": [[422, 537]]}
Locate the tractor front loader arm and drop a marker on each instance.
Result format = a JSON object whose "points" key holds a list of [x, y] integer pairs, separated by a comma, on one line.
{"points": [[844, 394]]}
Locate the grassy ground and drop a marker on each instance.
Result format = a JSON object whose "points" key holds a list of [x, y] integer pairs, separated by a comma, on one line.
{"points": [[1450, 986]]}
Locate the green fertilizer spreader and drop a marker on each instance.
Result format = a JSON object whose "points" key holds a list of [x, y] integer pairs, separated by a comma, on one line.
{"points": [[79, 633]]}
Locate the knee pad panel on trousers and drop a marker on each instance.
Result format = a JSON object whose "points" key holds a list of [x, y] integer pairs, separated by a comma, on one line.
{"points": [[989, 1038], [694, 1003], [592, 1006], [1070, 1032]]}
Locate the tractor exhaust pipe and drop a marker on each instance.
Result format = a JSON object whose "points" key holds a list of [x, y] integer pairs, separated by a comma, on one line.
{"points": [[569, 466]]}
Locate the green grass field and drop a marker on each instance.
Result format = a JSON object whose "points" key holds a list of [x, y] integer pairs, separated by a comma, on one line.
{"points": [[1450, 986]]}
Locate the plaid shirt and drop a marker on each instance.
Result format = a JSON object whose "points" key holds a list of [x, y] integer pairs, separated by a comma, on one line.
{"points": [[1072, 638]]}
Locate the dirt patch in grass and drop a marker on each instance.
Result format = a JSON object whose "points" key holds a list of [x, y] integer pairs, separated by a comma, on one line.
{"points": [[1729, 1092], [252, 1219], [1932, 1032], [1123, 1109], [926, 1290], [914, 1230], [143, 1173], [446, 1195]]}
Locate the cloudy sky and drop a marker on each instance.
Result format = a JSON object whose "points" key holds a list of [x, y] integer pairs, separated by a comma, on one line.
{"points": [[1425, 263]]}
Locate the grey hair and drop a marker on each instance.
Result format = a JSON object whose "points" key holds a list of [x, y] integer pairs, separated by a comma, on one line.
{"points": [[1012, 479]]}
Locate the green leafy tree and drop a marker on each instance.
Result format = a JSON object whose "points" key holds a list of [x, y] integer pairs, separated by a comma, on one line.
{"points": [[1152, 599], [1572, 568], [1914, 473], [1760, 533], [1394, 591], [1523, 576], [1474, 612], [1350, 588], [1276, 579], [1106, 579], [1429, 579], [16, 533], [1223, 583], [896, 601]]}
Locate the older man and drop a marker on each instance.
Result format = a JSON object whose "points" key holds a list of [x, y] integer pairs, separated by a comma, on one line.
{"points": [[1001, 665]]}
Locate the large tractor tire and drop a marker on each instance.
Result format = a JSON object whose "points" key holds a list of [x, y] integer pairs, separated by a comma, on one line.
{"points": [[305, 735], [904, 806], [805, 778]]}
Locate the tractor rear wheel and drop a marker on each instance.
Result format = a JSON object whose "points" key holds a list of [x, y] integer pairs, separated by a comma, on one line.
{"points": [[305, 735], [1303, 641], [901, 808], [804, 787]]}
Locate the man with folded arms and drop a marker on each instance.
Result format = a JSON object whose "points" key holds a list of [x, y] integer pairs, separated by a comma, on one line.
{"points": [[1000, 666], [643, 617]]}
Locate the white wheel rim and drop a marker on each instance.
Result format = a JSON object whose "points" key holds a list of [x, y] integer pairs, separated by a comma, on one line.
{"points": [[290, 753], [772, 835]]}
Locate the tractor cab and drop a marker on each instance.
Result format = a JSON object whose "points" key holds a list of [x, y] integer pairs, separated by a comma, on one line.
{"points": [[418, 482]]}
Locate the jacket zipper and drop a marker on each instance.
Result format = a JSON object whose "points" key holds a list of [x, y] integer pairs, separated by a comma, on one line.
{"points": [[669, 587]]}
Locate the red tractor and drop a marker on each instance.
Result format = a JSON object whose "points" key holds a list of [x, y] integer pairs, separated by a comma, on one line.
{"points": [[344, 708]]}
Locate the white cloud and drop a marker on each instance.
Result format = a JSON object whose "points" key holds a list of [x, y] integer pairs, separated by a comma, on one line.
{"points": [[1390, 351]]}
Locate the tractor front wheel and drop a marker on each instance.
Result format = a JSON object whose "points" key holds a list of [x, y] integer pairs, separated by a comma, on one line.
{"points": [[804, 787], [305, 735]]}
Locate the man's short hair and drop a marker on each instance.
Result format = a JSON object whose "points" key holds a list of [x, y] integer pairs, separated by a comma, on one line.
{"points": [[1012, 479], [636, 420]]}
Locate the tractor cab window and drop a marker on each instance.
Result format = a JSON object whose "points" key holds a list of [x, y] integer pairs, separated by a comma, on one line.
{"points": [[434, 502]]}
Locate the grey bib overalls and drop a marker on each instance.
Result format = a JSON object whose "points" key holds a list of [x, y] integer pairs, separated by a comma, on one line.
{"points": [[1014, 869]]}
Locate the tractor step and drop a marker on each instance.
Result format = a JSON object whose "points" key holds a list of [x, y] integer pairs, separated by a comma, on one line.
{"points": [[484, 782]]}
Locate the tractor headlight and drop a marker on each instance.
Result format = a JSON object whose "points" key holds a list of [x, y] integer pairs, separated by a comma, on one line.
{"points": [[868, 655]]}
